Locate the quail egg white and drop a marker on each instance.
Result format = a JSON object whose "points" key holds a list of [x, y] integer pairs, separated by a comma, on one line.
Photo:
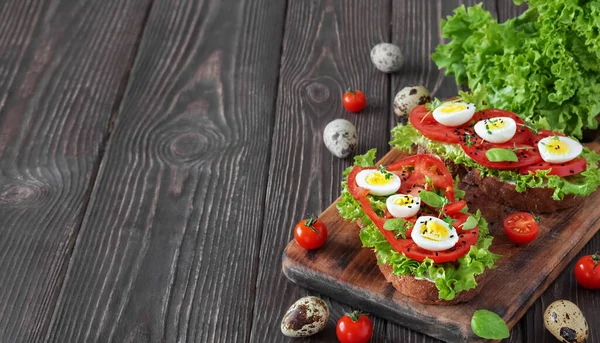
{"points": [[454, 113], [496, 130], [434, 234], [402, 205], [559, 149], [378, 183]]}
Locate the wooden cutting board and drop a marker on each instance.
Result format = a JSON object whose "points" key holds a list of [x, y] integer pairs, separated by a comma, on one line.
{"points": [[343, 270]]}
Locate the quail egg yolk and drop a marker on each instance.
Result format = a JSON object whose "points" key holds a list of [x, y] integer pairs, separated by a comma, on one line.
{"points": [[496, 124], [434, 231], [404, 200], [451, 108], [557, 147], [377, 179]]}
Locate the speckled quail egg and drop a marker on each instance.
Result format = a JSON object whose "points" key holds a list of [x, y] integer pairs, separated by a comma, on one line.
{"points": [[305, 317], [434, 234], [403, 205], [387, 57], [559, 149], [566, 322], [378, 183], [454, 113], [496, 130], [339, 137], [408, 98]]}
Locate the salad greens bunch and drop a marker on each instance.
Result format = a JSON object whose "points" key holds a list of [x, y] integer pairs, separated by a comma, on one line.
{"points": [[543, 65]]}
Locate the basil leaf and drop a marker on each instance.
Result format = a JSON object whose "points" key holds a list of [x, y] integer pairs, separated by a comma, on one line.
{"points": [[398, 225], [433, 199], [501, 155], [470, 223], [489, 325]]}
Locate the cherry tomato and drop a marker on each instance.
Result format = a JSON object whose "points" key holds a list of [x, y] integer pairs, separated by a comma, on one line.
{"points": [[521, 227], [587, 271], [354, 100], [310, 233], [354, 327]]}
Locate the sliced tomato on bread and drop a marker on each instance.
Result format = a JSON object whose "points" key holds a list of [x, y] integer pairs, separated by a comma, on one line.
{"points": [[423, 121], [526, 154], [573, 167], [419, 166]]}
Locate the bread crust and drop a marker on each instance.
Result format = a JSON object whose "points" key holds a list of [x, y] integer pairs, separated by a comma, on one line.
{"points": [[424, 291], [536, 200]]}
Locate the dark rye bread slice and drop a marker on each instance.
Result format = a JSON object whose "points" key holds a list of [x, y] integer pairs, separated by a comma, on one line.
{"points": [[536, 200], [424, 291]]}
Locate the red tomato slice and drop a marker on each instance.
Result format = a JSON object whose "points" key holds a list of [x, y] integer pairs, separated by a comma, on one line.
{"points": [[424, 122], [573, 167], [521, 227], [423, 165], [527, 154]]}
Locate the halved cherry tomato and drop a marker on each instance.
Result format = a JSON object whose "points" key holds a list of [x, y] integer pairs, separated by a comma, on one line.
{"points": [[354, 327], [423, 121], [354, 100], [521, 227], [527, 154], [573, 167], [436, 170], [310, 233], [587, 271]]}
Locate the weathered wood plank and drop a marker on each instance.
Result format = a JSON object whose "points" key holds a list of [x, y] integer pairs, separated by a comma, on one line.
{"points": [[168, 248], [62, 64], [326, 50]]}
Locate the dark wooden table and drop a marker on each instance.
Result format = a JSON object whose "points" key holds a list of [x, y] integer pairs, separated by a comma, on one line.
{"points": [[155, 154]]}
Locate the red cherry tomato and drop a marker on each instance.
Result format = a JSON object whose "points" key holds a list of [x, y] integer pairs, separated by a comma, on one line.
{"points": [[521, 227], [354, 327], [310, 233], [354, 100], [587, 271]]}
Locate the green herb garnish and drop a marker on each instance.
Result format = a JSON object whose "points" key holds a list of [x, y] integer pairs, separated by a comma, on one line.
{"points": [[501, 155], [489, 325], [384, 172], [398, 225]]}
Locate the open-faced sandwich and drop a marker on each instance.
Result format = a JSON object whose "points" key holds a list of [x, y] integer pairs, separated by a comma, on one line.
{"points": [[510, 161], [427, 244]]}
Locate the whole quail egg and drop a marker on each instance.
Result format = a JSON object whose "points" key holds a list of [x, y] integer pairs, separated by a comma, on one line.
{"points": [[305, 317], [339, 137], [566, 322], [387, 57], [409, 98]]}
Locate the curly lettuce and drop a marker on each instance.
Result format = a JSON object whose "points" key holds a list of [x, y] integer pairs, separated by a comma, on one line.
{"points": [[449, 278], [582, 184], [543, 65]]}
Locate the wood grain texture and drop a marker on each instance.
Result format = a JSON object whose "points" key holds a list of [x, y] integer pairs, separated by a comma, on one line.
{"points": [[344, 270], [169, 244], [326, 49], [62, 64]]}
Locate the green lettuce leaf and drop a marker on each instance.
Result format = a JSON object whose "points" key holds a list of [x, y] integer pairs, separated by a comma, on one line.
{"points": [[543, 65], [449, 278], [582, 184]]}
